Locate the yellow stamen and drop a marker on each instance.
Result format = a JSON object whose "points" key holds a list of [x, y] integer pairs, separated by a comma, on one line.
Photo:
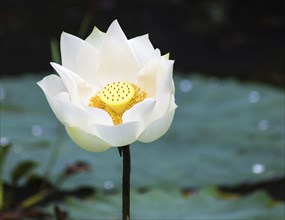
{"points": [[117, 97]]}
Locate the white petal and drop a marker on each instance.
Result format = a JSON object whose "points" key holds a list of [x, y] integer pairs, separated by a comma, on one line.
{"points": [[96, 38], [68, 81], [173, 87], [63, 96], [87, 141], [172, 104], [52, 85], [164, 87], [157, 128], [142, 111], [79, 89], [72, 115], [100, 115], [156, 79], [116, 60], [147, 77], [119, 135], [79, 115], [55, 107], [85, 92], [84, 118], [166, 56], [142, 48], [80, 57]]}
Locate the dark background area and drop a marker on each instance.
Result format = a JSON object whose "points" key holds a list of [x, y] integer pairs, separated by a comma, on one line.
{"points": [[226, 38]]}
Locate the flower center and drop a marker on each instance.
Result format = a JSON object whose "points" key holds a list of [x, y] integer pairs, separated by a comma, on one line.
{"points": [[117, 97]]}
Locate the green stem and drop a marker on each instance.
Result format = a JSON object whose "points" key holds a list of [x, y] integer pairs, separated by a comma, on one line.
{"points": [[126, 154]]}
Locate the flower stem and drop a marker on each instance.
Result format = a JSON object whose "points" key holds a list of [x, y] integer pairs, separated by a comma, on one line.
{"points": [[126, 154]]}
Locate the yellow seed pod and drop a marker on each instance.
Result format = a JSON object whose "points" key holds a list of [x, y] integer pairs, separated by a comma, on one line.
{"points": [[117, 95]]}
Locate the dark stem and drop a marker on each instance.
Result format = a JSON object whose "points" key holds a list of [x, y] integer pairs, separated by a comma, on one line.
{"points": [[126, 154]]}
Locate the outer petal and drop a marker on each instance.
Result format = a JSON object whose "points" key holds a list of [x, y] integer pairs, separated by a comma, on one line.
{"points": [[157, 128], [80, 57], [68, 113], [164, 87], [76, 116], [83, 118], [119, 135], [87, 141], [142, 48], [147, 77], [96, 38], [78, 89], [116, 59], [52, 85], [68, 82], [156, 79], [167, 56]]}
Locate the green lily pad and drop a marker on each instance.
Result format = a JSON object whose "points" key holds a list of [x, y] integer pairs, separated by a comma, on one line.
{"points": [[224, 132], [172, 204]]}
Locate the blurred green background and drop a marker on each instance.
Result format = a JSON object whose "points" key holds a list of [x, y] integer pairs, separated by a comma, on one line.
{"points": [[223, 157]]}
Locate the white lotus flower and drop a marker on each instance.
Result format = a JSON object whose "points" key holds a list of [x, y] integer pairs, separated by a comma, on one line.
{"points": [[111, 91]]}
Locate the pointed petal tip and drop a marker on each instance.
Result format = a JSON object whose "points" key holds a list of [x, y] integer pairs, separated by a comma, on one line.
{"points": [[57, 67], [115, 24], [115, 21], [167, 56], [96, 30], [64, 35], [53, 64]]}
